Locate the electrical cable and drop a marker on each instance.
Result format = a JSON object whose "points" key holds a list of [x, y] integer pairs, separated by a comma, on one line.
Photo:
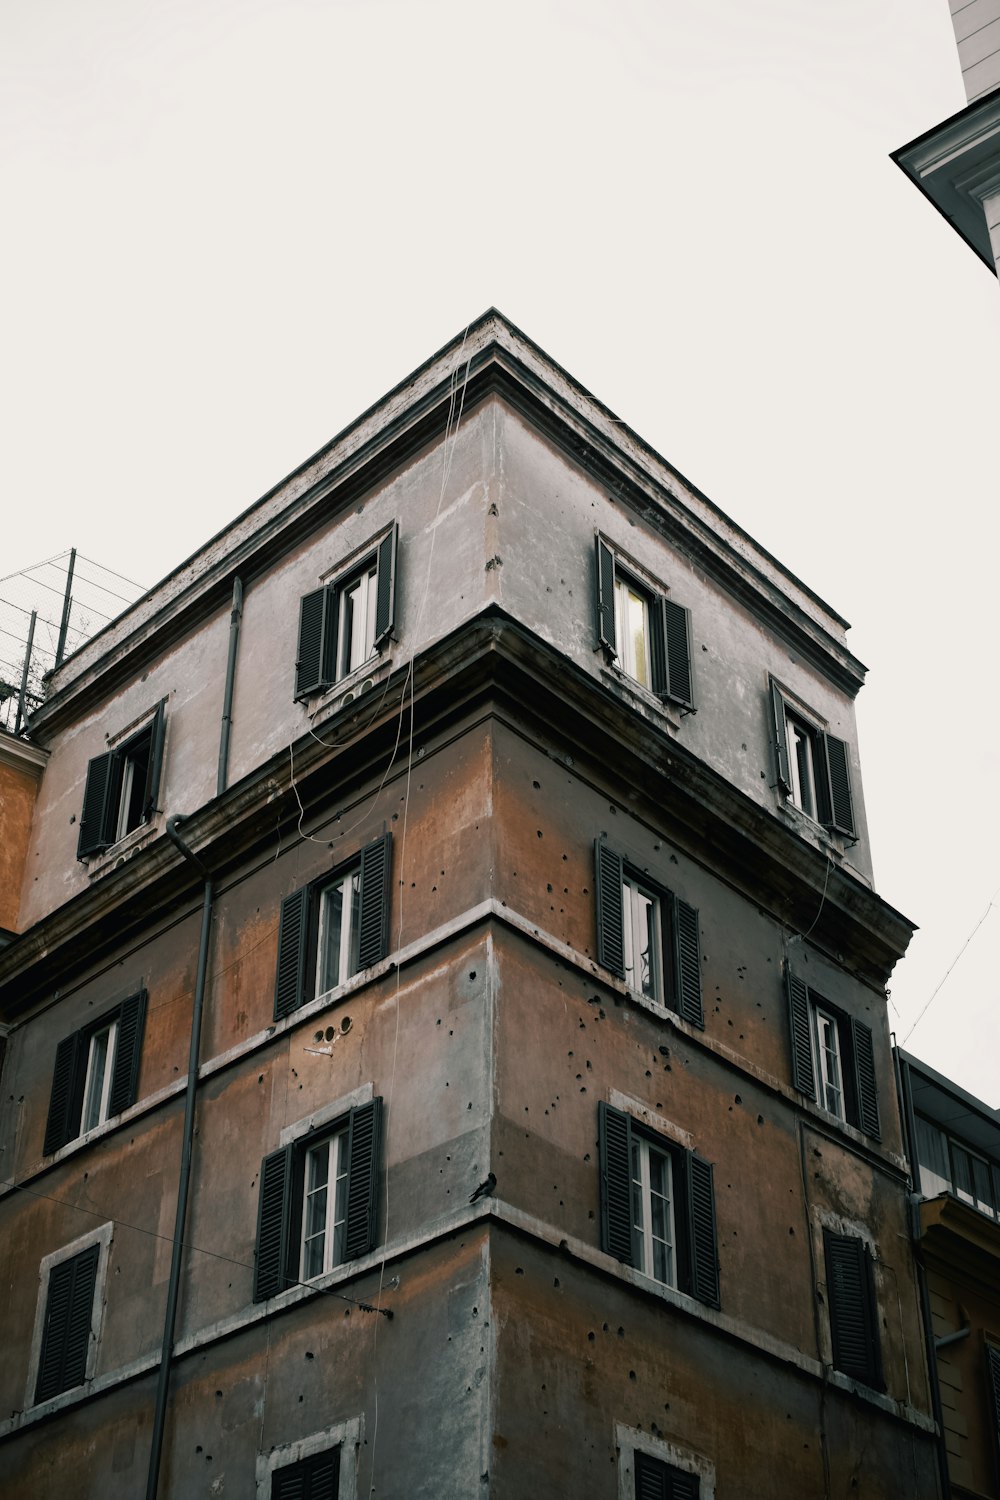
{"points": [[958, 955]]}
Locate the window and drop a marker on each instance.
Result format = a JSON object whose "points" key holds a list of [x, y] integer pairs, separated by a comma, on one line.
{"points": [[68, 1316], [333, 928], [313, 1478], [655, 1480], [850, 1289], [833, 1058], [96, 1073], [317, 1204], [344, 623], [947, 1166], [649, 636], [657, 1206], [812, 767], [122, 787], [647, 936]]}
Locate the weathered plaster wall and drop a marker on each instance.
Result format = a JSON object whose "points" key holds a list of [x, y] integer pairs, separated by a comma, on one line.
{"points": [[21, 767]]}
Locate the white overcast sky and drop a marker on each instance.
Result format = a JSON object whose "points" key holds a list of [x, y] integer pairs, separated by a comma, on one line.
{"points": [[231, 225]]}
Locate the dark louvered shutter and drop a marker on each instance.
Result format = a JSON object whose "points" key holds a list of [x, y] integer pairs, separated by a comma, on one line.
{"points": [[677, 630], [94, 818], [803, 1077], [313, 1478], [615, 1131], [66, 1099], [373, 936], [273, 1215], [606, 634], [659, 674], [839, 813], [69, 1311], [155, 763], [779, 739], [385, 589], [128, 1050], [610, 917], [850, 1294], [363, 1153], [293, 945], [288, 1483], [687, 963], [659, 1481], [864, 1072], [701, 1230], [993, 1383], [310, 668]]}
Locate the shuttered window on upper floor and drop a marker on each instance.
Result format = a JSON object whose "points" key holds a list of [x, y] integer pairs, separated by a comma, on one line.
{"points": [[646, 633], [347, 622], [66, 1331], [811, 767], [122, 787], [314, 1478], [656, 1480], [832, 1057], [96, 1073], [850, 1289], [647, 936]]}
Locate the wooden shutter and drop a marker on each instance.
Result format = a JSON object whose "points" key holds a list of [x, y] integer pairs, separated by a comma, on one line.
{"points": [[128, 1050], [779, 739], [704, 1255], [363, 1153], [385, 589], [94, 817], [155, 763], [800, 1029], [687, 963], [851, 1297], [865, 1078], [993, 1386], [313, 1478], [655, 1480], [310, 667], [373, 936], [677, 631], [69, 1311], [66, 1098], [606, 634], [293, 945], [836, 770], [273, 1216], [610, 917], [615, 1131]]}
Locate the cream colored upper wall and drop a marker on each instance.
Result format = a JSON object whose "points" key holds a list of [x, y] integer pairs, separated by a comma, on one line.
{"points": [[977, 32]]}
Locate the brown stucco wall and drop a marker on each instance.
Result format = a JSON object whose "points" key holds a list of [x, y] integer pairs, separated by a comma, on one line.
{"points": [[21, 767]]}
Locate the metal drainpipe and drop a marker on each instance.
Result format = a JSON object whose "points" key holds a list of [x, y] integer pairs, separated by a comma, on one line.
{"points": [[184, 1182], [227, 702]]}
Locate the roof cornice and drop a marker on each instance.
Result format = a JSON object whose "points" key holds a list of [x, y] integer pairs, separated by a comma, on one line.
{"points": [[956, 165]]}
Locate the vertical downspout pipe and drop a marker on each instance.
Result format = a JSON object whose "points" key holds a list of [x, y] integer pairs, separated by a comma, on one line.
{"points": [[184, 1182], [227, 702]]}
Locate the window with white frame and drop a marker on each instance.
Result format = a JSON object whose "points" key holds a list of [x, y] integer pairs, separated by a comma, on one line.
{"points": [[100, 1066], [647, 936], [349, 620], [339, 929], [632, 607], [812, 767], [828, 1069], [122, 787], [644, 633], [324, 1205], [96, 1073], [642, 920], [653, 1210], [948, 1166], [832, 1056]]}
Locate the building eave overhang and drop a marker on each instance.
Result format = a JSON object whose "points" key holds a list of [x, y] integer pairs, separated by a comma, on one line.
{"points": [[492, 358], [960, 1237], [491, 665], [952, 1107], [956, 164]]}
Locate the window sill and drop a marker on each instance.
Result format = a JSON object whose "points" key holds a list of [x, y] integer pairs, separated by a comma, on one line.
{"points": [[119, 853], [641, 699], [350, 689]]}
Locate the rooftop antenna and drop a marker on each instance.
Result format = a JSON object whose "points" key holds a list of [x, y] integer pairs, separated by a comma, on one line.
{"points": [[67, 604]]}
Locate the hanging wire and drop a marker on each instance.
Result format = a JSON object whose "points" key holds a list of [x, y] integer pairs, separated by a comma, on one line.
{"points": [[958, 955]]}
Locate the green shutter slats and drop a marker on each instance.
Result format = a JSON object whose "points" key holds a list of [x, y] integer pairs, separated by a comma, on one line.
{"points": [[993, 1378], [93, 835], [615, 1131], [803, 1077], [606, 634], [69, 1311], [364, 1150], [310, 667], [683, 1486], [867, 1088], [650, 1478], [850, 1295], [610, 918], [385, 588], [273, 1213], [155, 763], [840, 809], [779, 739], [687, 963], [677, 629], [659, 672], [373, 935], [128, 1050], [293, 942], [66, 1098], [702, 1231], [313, 1478]]}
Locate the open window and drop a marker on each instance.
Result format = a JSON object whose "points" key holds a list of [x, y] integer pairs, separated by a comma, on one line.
{"points": [[645, 633], [647, 936], [657, 1206], [812, 767], [333, 928], [96, 1073], [122, 787], [833, 1057], [348, 621], [318, 1204]]}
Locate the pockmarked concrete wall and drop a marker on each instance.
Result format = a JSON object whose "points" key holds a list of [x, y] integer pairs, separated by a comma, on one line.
{"points": [[21, 767]]}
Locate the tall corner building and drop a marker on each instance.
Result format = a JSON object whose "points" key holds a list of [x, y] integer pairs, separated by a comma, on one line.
{"points": [[446, 1040]]}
